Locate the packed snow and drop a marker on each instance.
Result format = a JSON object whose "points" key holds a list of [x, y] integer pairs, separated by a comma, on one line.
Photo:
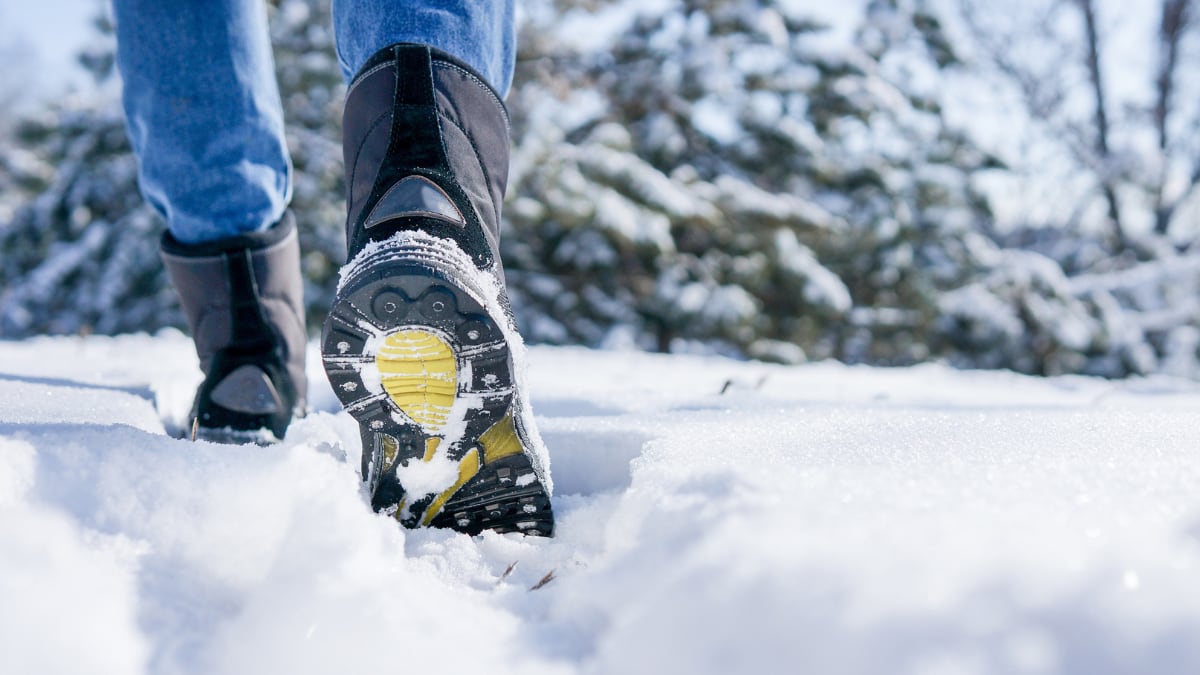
{"points": [[714, 516]]}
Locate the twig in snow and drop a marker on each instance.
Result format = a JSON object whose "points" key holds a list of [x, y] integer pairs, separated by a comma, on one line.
{"points": [[545, 580], [507, 571]]}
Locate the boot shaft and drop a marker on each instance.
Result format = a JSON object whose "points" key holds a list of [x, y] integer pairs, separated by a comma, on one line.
{"points": [[426, 144]]}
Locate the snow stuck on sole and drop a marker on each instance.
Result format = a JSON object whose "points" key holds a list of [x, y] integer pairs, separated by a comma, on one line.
{"points": [[819, 518]]}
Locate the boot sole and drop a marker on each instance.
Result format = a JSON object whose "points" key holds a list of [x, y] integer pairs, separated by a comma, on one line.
{"points": [[419, 358]]}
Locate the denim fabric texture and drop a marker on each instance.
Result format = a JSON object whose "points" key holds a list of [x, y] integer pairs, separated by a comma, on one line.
{"points": [[479, 32], [202, 106]]}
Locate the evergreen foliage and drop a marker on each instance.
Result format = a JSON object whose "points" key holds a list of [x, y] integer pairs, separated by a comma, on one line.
{"points": [[725, 175], [81, 247]]}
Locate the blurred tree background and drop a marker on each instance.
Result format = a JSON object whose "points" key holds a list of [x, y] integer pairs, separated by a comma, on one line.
{"points": [[733, 176]]}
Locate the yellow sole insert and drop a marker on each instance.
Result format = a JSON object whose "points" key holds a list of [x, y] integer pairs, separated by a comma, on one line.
{"points": [[501, 440], [418, 371], [468, 466], [498, 442]]}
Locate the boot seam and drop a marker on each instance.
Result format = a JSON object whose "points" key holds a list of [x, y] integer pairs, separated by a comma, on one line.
{"points": [[439, 60], [482, 85], [363, 76]]}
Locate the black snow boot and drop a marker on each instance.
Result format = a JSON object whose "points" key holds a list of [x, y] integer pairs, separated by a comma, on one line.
{"points": [[244, 304], [419, 344]]}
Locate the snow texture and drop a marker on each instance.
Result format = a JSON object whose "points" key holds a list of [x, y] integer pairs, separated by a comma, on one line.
{"points": [[715, 516]]}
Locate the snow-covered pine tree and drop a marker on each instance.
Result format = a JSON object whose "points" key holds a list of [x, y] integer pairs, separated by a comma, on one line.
{"points": [[1106, 277], [726, 175], [80, 246]]}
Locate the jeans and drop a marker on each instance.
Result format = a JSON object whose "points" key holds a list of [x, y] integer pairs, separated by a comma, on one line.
{"points": [[202, 106]]}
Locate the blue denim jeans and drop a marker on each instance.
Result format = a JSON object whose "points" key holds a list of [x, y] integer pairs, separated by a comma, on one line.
{"points": [[202, 105]]}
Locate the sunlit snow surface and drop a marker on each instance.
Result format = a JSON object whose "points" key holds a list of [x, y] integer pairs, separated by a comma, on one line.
{"points": [[812, 519]]}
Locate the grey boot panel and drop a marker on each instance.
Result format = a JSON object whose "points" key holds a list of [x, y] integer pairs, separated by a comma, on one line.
{"points": [[476, 134], [416, 111], [243, 298]]}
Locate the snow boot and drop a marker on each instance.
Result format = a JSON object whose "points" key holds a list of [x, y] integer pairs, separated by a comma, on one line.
{"points": [[419, 344], [244, 305]]}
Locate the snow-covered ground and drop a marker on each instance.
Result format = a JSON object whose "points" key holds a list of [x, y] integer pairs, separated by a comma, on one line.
{"points": [[714, 517]]}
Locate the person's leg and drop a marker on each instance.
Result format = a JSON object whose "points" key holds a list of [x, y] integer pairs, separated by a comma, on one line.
{"points": [[203, 113], [478, 32], [419, 344], [204, 118]]}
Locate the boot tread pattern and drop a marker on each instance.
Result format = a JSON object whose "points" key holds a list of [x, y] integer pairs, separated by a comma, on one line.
{"points": [[414, 355]]}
